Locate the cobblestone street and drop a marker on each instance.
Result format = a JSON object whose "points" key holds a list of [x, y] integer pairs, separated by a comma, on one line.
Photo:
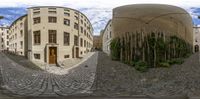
{"points": [[114, 78], [22, 81], [99, 77]]}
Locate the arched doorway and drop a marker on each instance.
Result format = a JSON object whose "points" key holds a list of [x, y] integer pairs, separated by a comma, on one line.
{"points": [[196, 48]]}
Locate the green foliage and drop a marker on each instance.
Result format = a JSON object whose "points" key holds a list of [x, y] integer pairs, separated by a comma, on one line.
{"points": [[175, 61], [115, 49], [132, 63], [152, 50], [163, 64], [126, 62], [141, 66]]}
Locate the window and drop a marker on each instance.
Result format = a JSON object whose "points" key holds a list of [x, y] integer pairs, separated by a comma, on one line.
{"points": [[34, 9], [15, 36], [66, 38], [76, 13], [87, 44], [66, 56], [76, 17], [37, 56], [84, 43], [36, 37], [21, 44], [21, 33], [81, 42], [75, 40], [85, 32], [52, 19], [81, 29], [66, 10], [66, 14], [36, 20], [76, 26], [52, 8], [52, 36], [52, 12], [88, 27], [36, 12], [67, 22], [81, 21], [21, 24]]}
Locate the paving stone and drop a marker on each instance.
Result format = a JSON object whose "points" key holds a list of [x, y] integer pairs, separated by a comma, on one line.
{"points": [[23, 81]]}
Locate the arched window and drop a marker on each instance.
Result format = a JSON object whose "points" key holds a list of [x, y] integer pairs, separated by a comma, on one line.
{"points": [[196, 48]]}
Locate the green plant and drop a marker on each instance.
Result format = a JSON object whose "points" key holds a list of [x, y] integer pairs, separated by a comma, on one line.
{"points": [[175, 61], [126, 62], [132, 63], [163, 64], [115, 49], [141, 66], [155, 48]]}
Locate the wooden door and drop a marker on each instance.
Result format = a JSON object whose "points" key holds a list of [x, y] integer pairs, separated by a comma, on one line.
{"points": [[52, 55]]}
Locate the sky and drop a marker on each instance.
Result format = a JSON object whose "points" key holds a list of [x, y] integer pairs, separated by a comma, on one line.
{"points": [[98, 11], [95, 3]]}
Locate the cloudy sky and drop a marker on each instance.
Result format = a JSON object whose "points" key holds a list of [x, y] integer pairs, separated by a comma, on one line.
{"points": [[98, 11]]}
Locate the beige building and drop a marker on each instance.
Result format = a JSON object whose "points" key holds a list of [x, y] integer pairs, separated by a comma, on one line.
{"points": [[107, 37], [18, 31], [52, 34], [4, 39], [152, 33], [196, 32], [97, 42]]}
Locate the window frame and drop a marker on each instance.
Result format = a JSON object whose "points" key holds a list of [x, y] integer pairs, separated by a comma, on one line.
{"points": [[52, 36], [66, 39], [51, 19], [66, 22], [36, 20], [36, 36]]}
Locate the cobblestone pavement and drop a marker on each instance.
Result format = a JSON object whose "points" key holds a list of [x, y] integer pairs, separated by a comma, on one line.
{"points": [[22, 81], [109, 80], [118, 79], [66, 65], [23, 61]]}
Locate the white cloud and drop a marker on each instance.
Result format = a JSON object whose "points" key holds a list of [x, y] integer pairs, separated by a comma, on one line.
{"points": [[96, 9], [94, 3]]}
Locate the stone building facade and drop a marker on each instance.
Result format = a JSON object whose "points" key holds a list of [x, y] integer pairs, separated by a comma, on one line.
{"points": [[52, 34], [97, 42], [4, 39], [196, 32], [107, 37], [152, 33], [18, 31]]}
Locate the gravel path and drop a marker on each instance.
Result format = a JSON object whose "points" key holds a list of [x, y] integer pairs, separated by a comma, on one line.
{"points": [[115, 78]]}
